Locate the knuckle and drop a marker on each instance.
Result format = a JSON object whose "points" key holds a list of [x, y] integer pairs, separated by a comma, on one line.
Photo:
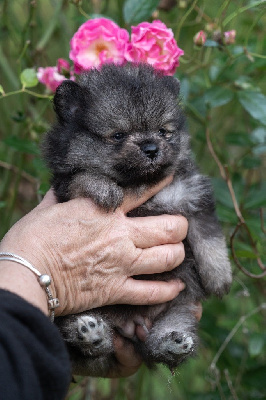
{"points": [[176, 227], [153, 294], [174, 256], [170, 225], [169, 259], [181, 252]]}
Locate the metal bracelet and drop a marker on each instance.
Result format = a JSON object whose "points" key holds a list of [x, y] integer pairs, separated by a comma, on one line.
{"points": [[44, 279]]}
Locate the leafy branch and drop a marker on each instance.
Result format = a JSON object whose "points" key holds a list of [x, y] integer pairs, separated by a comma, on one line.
{"points": [[229, 337], [28, 78], [224, 172]]}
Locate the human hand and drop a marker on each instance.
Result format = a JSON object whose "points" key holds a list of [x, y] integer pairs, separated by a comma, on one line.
{"points": [[92, 255]]}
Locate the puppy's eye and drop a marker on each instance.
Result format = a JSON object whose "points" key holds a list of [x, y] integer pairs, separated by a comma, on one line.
{"points": [[164, 133], [118, 136]]}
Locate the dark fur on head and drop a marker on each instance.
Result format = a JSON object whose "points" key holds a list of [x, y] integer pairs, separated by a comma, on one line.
{"points": [[122, 129]]}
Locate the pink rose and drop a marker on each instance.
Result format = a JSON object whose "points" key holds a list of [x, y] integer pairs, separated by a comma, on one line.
{"points": [[154, 44], [200, 38], [229, 37], [98, 41], [50, 77]]}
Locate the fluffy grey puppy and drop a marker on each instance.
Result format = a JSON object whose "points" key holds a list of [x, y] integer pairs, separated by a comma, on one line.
{"points": [[118, 130]]}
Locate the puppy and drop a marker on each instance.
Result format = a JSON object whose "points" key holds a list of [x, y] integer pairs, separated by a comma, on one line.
{"points": [[121, 129]]}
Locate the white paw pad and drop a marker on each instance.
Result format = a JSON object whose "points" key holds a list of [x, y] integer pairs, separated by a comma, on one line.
{"points": [[91, 330], [177, 343]]}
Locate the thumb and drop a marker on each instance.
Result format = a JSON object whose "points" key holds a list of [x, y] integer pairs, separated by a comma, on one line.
{"points": [[132, 201], [48, 200]]}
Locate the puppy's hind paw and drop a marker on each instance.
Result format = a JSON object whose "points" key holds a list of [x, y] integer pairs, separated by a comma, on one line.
{"points": [[173, 348], [177, 343], [93, 335]]}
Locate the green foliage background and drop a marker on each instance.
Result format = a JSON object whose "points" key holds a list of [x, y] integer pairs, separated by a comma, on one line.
{"points": [[223, 90]]}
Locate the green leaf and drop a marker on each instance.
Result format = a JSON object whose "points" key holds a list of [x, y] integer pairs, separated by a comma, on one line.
{"points": [[245, 254], [3, 204], [43, 189], [211, 43], [239, 139], [184, 89], [254, 103], [256, 198], [256, 344], [138, 10], [244, 82], [259, 137], [22, 145], [250, 162], [18, 116], [222, 193], [28, 78], [226, 215], [2, 90], [218, 96], [255, 378]]}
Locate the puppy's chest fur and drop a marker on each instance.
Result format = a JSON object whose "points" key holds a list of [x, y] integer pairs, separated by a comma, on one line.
{"points": [[121, 130]]}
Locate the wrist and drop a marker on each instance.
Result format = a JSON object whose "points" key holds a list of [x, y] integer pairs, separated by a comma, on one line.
{"points": [[24, 283], [43, 280]]}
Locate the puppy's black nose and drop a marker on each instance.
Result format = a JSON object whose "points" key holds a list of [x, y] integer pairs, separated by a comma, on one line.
{"points": [[150, 149]]}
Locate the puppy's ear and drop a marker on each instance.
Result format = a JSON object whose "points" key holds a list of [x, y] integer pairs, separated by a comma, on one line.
{"points": [[68, 100], [173, 84]]}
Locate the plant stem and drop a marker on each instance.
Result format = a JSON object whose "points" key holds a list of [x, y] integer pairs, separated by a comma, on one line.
{"points": [[184, 18], [4, 64], [24, 90], [51, 27], [239, 11], [233, 332]]}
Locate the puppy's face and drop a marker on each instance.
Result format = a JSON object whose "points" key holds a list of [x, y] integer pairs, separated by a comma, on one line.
{"points": [[143, 156], [122, 122]]}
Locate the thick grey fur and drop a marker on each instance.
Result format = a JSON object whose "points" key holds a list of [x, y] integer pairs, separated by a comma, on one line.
{"points": [[118, 130]]}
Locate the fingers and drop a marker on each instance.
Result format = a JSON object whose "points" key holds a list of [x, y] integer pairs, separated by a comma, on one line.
{"points": [[159, 259], [129, 361], [140, 292], [131, 202], [154, 231]]}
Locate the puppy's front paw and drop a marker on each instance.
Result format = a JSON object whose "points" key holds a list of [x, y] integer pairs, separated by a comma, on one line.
{"points": [[104, 192], [109, 198]]}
